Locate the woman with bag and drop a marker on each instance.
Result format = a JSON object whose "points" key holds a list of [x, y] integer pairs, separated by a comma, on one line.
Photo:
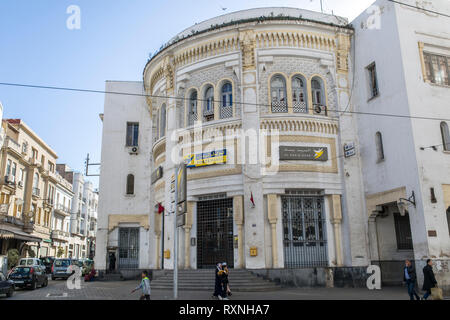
{"points": [[429, 281]]}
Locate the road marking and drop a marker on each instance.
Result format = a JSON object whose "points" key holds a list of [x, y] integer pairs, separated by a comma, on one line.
{"points": [[57, 295]]}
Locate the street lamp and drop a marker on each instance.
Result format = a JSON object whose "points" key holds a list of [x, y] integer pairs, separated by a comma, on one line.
{"points": [[402, 205]]}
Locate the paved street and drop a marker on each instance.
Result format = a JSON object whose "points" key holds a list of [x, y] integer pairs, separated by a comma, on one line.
{"points": [[120, 290]]}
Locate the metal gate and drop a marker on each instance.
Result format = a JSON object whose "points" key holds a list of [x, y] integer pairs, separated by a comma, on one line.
{"points": [[214, 233], [304, 227], [128, 248]]}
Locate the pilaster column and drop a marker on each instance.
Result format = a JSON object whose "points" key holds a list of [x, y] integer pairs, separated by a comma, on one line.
{"points": [[272, 211], [157, 227], [336, 219], [187, 233], [238, 210]]}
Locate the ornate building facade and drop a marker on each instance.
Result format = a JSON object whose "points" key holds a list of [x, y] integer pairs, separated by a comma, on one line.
{"points": [[253, 101]]}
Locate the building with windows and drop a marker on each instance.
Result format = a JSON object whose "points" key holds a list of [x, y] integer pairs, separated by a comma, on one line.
{"points": [[253, 107], [403, 157], [61, 218], [27, 184], [83, 214]]}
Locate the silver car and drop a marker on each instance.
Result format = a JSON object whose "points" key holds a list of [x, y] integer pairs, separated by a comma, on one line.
{"points": [[63, 268]]}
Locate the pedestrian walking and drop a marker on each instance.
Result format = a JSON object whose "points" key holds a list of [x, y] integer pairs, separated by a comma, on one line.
{"points": [[409, 276], [144, 286], [429, 281], [218, 284], [226, 282]]}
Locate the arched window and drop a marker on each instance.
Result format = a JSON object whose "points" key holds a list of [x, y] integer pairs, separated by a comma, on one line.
{"points": [[130, 184], [162, 124], [445, 136], [278, 94], [208, 104], [299, 96], [317, 91], [379, 144], [226, 103], [157, 125], [192, 108], [318, 95]]}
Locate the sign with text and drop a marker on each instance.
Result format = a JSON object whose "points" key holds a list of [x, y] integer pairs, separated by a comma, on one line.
{"points": [[156, 175], [207, 158], [304, 153], [181, 194]]}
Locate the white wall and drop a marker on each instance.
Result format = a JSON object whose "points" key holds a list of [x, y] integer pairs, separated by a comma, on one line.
{"points": [[117, 163]]}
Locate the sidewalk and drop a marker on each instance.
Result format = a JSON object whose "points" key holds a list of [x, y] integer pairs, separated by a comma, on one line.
{"points": [[120, 290]]}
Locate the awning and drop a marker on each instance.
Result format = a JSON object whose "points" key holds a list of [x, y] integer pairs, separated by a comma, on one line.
{"points": [[11, 233]]}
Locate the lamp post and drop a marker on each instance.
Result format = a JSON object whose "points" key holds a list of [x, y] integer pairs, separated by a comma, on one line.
{"points": [[402, 205]]}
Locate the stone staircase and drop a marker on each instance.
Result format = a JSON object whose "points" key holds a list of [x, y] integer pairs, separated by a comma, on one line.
{"points": [[203, 280]]}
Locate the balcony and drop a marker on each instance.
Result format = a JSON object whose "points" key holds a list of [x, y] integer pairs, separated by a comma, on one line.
{"points": [[4, 218], [36, 192], [12, 145], [9, 181], [48, 203], [62, 210], [60, 235]]}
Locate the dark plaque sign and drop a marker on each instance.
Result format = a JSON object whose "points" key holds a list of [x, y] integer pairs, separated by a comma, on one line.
{"points": [[304, 153], [157, 174]]}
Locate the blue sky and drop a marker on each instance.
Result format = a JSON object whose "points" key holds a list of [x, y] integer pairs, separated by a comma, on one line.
{"points": [[114, 42]]}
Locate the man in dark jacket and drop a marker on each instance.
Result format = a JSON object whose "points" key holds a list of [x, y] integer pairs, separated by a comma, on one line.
{"points": [[429, 281], [409, 276]]}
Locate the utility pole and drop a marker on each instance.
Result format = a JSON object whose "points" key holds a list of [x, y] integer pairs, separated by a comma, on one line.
{"points": [[90, 164], [175, 241]]}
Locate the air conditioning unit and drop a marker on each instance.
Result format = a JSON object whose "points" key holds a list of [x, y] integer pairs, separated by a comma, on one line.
{"points": [[319, 109], [133, 150]]}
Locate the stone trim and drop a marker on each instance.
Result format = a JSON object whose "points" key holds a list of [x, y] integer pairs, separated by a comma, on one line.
{"points": [[115, 219]]}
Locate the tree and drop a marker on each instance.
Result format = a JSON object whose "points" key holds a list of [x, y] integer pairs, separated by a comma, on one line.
{"points": [[60, 252], [13, 258], [31, 252]]}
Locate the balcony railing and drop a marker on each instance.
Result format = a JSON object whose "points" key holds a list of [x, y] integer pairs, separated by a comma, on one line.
{"points": [[10, 143], [62, 208], [36, 192], [58, 234], [279, 106]]}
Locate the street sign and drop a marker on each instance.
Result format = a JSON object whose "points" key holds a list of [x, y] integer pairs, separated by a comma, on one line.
{"points": [[181, 186], [156, 175], [349, 153], [303, 153], [349, 146]]}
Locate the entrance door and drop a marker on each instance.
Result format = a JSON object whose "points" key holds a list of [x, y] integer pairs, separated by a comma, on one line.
{"points": [[128, 248], [214, 233], [305, 240]]}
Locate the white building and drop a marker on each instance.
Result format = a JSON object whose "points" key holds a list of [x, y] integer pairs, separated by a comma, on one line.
{"points": [[83, 214], [402, 67], [62, 197], [271, 73]]}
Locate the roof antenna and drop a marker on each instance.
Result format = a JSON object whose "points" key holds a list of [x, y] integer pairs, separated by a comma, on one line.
{"points": [[321, 5]]}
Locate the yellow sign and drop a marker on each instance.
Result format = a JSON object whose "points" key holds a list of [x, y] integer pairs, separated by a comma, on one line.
{"points": [[207, 158], [167, 254], [253, 251]]}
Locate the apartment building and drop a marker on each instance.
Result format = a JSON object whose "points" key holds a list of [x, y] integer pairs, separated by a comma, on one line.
{"points": [[27, 188]]}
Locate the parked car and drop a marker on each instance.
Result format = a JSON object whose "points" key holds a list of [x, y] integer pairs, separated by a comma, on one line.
{"points": [[29, 276], [30, 262], [63, 268], [48, 263], [6, 286]]}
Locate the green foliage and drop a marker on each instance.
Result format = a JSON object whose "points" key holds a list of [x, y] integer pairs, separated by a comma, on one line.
{"points": [[31, 252], [13, 258], [60, 252]]}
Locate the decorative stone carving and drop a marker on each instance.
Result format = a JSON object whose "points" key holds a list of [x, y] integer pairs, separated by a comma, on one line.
{"points": [[248, 44]]}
